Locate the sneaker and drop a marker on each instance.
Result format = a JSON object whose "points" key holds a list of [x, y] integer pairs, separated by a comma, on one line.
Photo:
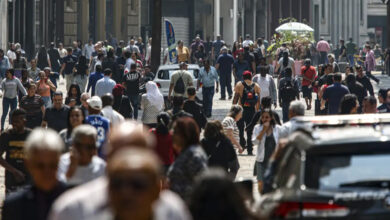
{"points": [[250, 153], [230, 97], [222, 98]]}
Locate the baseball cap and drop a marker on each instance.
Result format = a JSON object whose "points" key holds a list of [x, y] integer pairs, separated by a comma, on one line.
{"points": [[247, 73], [95, 102]]}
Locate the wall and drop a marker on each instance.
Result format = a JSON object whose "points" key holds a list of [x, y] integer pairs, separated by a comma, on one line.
{"points": [[3, 25], [227, 21]]}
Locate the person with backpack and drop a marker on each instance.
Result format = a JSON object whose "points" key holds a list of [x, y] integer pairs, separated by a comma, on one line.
{"points": [[180, 81], [288, 92], [247, 94]]}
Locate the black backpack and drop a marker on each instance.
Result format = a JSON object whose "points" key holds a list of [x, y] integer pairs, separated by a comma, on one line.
{"points": [[179, 86], [249, 97], [287, 91]]}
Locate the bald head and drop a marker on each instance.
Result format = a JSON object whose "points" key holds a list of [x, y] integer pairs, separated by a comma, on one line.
{"points": [[129, 133]]}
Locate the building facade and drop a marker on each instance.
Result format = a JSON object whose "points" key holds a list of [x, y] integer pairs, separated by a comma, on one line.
{"points": [[377, 22], [341, 19], [39, 22]]}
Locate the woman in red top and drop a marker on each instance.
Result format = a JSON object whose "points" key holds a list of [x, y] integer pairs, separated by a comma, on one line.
{"points": [[164, 145], [44, 85]]}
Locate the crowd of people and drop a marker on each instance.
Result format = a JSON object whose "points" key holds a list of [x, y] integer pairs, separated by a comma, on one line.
{"points": [[82, 154]]}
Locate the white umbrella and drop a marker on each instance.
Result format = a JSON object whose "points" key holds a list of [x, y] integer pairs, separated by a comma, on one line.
{"points": [[294, 26]]}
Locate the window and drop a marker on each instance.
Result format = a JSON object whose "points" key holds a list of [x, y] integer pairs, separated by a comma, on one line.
{"points": [[133, 6], [335, 171], [323, 9], [166, 74], [288, 174]]}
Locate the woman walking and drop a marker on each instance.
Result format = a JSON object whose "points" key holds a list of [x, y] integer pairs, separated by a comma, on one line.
{"points": [[219, 149], [230, 126], [152, 103], [10, 87], [44, 88], [81, 73], [265, 136], [75, 118]]}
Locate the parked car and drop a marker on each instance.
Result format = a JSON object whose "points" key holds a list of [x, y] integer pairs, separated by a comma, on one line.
{"points": [[163, 79], [331, 173]]}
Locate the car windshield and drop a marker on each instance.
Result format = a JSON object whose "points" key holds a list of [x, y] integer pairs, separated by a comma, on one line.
{"points": [[351, 170]]}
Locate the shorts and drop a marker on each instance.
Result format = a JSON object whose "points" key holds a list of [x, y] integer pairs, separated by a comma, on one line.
{"points": [[306, 92], [260, 170]]}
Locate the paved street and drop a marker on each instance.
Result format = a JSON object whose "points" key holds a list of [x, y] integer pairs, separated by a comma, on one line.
{"points": [[220, 110]]}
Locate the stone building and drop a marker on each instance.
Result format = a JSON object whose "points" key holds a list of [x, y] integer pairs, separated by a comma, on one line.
{"points": [[39, 22]]}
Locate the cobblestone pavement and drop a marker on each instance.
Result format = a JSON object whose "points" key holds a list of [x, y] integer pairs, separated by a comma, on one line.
{"points": [[220, 110]]}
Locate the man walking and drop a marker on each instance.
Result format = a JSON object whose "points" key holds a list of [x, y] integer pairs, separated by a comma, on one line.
{"points": [[105, 85], [131, 82], [224, 65], [247, 94], [180, 81], [266, 83], [67, 67], [351, 51], [288, 92], [239, 67], [370, 63], [334, 94], [323, 47], [216, 48], [308, 73], [208, 76]]}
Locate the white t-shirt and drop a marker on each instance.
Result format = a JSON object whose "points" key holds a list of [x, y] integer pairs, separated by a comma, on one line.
{"points": [[83, 174], [112, 115], [261, 144], [289, 65], [246, 43], [264, 83], [11, 55]]}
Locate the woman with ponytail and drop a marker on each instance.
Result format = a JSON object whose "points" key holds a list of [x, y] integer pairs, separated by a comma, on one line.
{"points": [[164, 144]]}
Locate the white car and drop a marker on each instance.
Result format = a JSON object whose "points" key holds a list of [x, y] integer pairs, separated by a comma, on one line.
{"points": [[163, 78]]}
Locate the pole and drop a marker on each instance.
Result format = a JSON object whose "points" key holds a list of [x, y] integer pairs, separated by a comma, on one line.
{"points": [[156, 36], [235, 8], [388, 24], [217, 16]]}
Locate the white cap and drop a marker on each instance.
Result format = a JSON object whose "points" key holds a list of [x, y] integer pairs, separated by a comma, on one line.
{"points": [[95, 102]]}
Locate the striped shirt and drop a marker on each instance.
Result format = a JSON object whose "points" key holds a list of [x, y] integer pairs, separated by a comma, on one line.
{"points": [[229, 123]]}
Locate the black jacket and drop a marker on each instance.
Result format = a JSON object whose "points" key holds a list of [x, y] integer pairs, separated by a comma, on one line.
{"points": [[196, 110], [365, 81], [31, 203]]}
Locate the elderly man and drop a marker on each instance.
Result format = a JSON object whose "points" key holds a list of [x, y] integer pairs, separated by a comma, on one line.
{"points": [[81, 164], [296, 109], [42, 152], [77, 203]]}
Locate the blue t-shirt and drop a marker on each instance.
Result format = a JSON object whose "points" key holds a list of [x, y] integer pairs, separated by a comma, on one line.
{"points": [[334, 93], [102, 126], [225, 62], [93, 78], [240, 68]]}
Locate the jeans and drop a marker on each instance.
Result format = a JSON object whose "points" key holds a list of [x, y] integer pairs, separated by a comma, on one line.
{"points": [[323, 57], [369, 75], [246, 119], [69, 80], [226, 81], [6, 104], [351, 60], [134, 103], [285, 109], [81, 81], [208, 94], [47, 101]]}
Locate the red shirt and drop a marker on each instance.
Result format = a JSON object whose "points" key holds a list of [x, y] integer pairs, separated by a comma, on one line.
{"points": [[309, 73], [164, 147]]}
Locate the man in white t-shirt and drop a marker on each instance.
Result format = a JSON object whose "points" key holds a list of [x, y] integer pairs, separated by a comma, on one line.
{"points": [[266, 83], [11, 53], [247, 41], [108, 112], [81, 164]]}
